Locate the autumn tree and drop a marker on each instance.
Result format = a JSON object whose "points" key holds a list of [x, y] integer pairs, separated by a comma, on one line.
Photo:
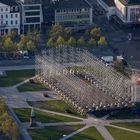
{"points": [[60, 41], [92, 42], [50, 43], [102, 41], [81, 41], [96, 33], [30, 46], [71, 41]]}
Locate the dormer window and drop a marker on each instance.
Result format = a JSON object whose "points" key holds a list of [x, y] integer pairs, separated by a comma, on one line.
{"points": [[11, 8], [16, 8]]}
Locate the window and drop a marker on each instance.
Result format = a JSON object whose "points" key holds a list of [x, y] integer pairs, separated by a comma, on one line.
{"points": [[11, 8], [16, 22], [16, 8], [1, 9], [6, 22], [16, 15], [6, 9], [6, 16], [1, 22], [11, 22], [1, 16], [11, 15]]}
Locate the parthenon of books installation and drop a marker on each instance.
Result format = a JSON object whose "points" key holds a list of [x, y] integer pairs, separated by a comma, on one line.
{"points": [[83, 80]]}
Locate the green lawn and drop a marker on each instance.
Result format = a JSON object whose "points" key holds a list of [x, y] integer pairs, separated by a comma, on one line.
{"points": [[24, 116], [53, 133], [56, 105], [132, 125], [32, 87], [15, 77], [88, 134], [119, 134]]}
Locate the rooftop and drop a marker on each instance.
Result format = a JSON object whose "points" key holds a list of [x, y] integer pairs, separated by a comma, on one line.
{"points": [[68, 4], [109, 2], [9, 2], [130, 2]]}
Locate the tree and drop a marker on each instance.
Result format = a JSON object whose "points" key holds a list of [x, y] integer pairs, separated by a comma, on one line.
{"points": [[60, 41], [50, 43], [22, 44], [8, 45], [81, 41], [96, 32], [92, 42], [102, 41], [34, 37], [71, 41], [30, 46], [58, 30]]}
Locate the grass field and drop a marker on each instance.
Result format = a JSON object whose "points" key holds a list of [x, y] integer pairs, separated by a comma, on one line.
{"points": [[53, 133], [119, 134], [132, 125], [88, 134], [15, 77], [56, 105], [24, 116], [32, 87]]}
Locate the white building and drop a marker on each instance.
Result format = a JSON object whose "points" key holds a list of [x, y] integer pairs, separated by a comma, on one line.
{"points": [[9, 17], [128, 11], [32, 16], [73, 14]]}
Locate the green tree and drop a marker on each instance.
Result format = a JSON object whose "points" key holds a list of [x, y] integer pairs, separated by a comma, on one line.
{"points": [[102, 41], [71, 41], [30, 45], [81, 41], [50, 43], [92, 42], [60, 41]]}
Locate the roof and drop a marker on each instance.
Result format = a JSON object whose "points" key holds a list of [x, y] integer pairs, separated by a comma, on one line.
{"points": [[130, 2], [109, 2], [9, 2], [68, 4]]}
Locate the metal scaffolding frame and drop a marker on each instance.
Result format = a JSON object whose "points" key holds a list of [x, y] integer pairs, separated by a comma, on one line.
{"points": [[83, 80]]}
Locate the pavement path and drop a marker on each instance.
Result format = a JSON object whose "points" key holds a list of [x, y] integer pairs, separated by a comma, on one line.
{"points": [[75, 132], [104, 132]]}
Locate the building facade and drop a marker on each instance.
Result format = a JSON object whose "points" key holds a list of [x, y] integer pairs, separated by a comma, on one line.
{"points": [[127, 11], [9, 17], [31, 16], [73, 14]]}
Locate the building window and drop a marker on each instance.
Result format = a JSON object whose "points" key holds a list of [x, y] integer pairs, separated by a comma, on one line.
{"points": [[6, 22], [1, 16], [16, 22], [1, 22], [16, 8], [11, 15], [16, 15], [1, 9], [11, 22], [6, 16], [11, 8], [6, 9]]}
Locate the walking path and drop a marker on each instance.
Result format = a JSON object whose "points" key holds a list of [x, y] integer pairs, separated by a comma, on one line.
{"points": [[14, 99]]}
